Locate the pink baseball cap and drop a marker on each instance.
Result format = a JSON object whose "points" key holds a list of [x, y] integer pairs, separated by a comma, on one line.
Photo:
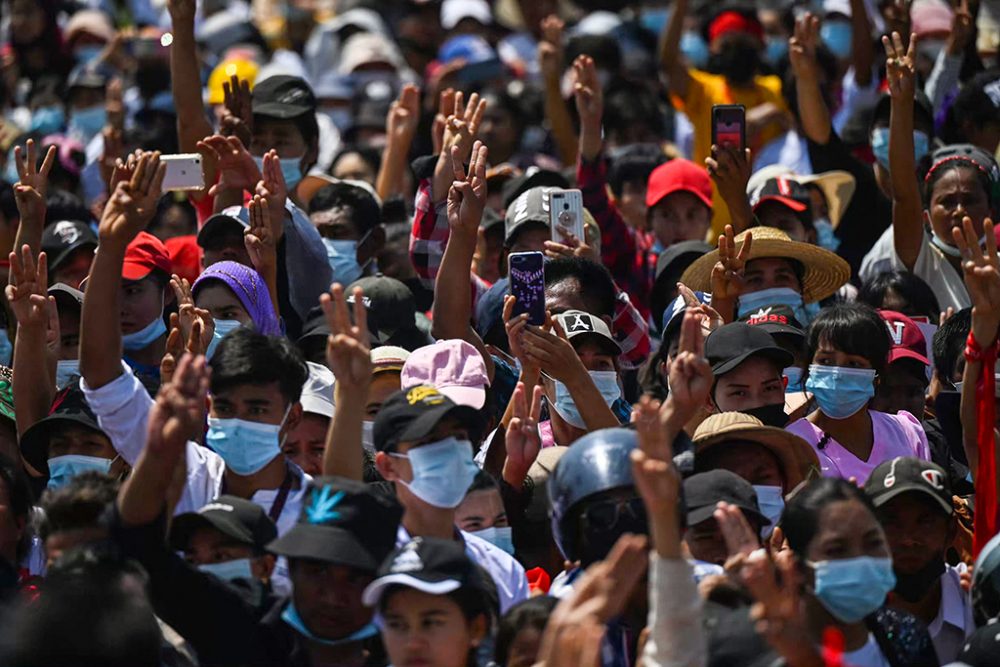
{"points": [[453, 367], [908, 341]]}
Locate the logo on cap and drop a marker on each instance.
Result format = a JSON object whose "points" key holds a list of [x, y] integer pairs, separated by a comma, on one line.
{"points": [[581, 322], [408, 559], [321, 509], [425, 395], [216, 507], [934, 478], [67, 232], [365, 300], [896, 331]]}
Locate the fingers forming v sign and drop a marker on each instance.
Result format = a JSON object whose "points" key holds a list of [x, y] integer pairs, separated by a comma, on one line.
{"points": [[467, 195], [900, 65], [522, 440], [348, 348], [690, 375], [727, 274], [982, 278], [27, 288], [259, 237], [29, 173]]}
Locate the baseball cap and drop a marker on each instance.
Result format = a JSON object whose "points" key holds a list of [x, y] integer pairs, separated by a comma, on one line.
{"points": [[704, 490], [59, 240], [367, 48], [91, 22], [454, 367], [342, 522], [533, 177], [185, 256], [282, 97], [775, 320], [239, 519], [454, 11], [391, 312], [489, 308], [232, 219], [907, 473], [69, 408], [144, 254], [673, 314], [670, 264], [931, 18], [731, 344], [414, 413], [388, 358], [430, 565], [530, 206], [908, 340], [785, 191], [678, 175], [317, 392], [578, 323]]}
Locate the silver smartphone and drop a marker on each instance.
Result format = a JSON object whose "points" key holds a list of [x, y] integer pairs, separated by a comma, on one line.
{"points": [[183, 172], [566, 215]]}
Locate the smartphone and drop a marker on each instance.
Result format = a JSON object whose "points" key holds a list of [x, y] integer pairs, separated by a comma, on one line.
{"points": [[729, 126], [566, 215], [527, 284], [183, 172]]}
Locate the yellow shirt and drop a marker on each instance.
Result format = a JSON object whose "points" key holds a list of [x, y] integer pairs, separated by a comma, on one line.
{"points": [[705, 91]]}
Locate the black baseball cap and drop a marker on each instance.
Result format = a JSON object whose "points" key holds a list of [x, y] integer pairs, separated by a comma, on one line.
{"points": [[703, 491], [731, 344], [283, 97], [391, 312], [670, 266], [775, 320], [231, 220], [344, 522], [414, 413], [430, 565], [240, 520], [906, 473], [69, 408], [60, 239], [782, 190], [66, 296]]}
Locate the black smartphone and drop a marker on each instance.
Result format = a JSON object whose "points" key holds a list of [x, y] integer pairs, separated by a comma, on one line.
{"points": [[527, 284], [729, 126]]}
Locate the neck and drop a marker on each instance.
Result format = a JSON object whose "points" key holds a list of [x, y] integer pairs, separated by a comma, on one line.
{"points": [[925, 609], [853, 433], [269, 477], [423, 520], [151, 355], [346, 655], [855, 634]]}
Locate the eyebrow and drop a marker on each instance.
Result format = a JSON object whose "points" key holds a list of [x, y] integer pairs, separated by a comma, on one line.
{"points": [[473, 518], [258, 402]]}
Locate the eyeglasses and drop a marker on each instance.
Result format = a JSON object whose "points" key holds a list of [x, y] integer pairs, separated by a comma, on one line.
{"points": [[606, 514]]}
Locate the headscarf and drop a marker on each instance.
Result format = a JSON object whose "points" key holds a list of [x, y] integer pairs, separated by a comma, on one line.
{"points": [[249, 288]]}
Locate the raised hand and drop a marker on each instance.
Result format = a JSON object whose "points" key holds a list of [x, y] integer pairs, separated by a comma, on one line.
{"points": [[132, 205], [181, 10], [467, 195], [515, 327], [963, 28], [523, 442], [29, 173], [190, 316], [739, 536], [259, 236], [237, 170], [727, 274], [273, 189], [802, 46], [690, 375], [900, 68], [550, 49], [573, 247], [178, 413], [652, 438], [730, 168], [446, 105], [348, 348], [587, 92], [404, 116], [237, 117], [552, 352], [463, 124], [114, 106], [982, 278], [656, 479], [27, 288]]}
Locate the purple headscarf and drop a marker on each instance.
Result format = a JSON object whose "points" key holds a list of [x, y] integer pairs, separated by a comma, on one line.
{"points": [[249, 288]]}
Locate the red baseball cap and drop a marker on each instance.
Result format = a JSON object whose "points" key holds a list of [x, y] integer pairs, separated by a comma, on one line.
{"points": [[678, 175], [145, 253], [185, 256], [908, 341]]}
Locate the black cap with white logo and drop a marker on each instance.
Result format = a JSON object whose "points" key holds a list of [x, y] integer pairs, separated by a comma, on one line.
{"points": [[906, 473], [60, 239], [283, 97], [238, 519], [430, 565]]}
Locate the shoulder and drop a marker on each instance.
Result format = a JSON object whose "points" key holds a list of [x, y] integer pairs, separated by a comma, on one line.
{"points": [[903, 425], [804, 429]]}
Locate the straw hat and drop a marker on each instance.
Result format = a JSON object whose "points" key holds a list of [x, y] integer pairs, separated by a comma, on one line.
{"points": [[825, 272], [797, 458], [837, 186]]}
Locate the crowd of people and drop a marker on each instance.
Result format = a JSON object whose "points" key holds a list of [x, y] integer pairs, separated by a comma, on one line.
{"points": [[456, 333]]}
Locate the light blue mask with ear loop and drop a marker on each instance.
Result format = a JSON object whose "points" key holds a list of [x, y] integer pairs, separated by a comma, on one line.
{"points": [[852, 588], [292, 618], [771, 501], [64, 468], [66, 369], [245, 446], [442, 471], [222, 327], [229, 570], [291, 170], [501, 537], [563, 403], [342, 254], [141, 339]]}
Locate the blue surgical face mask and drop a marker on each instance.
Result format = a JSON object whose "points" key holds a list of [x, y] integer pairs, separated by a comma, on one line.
{"points": [[776, 49], [66, 369], [47, 120], [606, 383], [695, 49], [245, 446], [141, 339], [774, 296], [343, 258], [853, 588], [771, 501], [229, 570], [794, 376], [87, 54], [222, 327], [64, 468], [825, 236], [840, 392], [502, 538], [880, 145], [837, 37], [291, 170], [88, 123], [442, 471], [292, 618]]}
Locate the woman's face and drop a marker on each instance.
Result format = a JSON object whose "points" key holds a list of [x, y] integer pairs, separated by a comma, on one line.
{"points": [[423, 630], [827, 355], [956, 195], [847, 529], [352, 167], [220, 301]]}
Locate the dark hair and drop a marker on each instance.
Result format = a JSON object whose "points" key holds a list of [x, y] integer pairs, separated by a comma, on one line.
{"points": [[626, 106], [939, 171], [247, 357], [21, 498], [634, 165], [973, 106], [483, 481], [97, 614], [596, 284], [169, 201], [854, 329], [365, 212], [531, 613], [81, 503], [949, 341], [371, 156], [62, 205], [501, 98], [8, 205], [917, 294], [603, 49], [800, 519]]}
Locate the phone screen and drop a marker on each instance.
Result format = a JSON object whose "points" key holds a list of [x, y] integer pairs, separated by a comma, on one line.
{"points": [[728, 126], [527, 284]]}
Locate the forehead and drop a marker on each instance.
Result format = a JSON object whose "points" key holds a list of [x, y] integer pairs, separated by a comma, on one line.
{"points": [[265, 125], [843, 518], [770, 264], [753, 371], [264, 391], [960, 178], [565, 295], [214, 293]]}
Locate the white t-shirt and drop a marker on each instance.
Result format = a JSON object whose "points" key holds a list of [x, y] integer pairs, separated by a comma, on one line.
{"points": [[869, 655], [954, 622]]}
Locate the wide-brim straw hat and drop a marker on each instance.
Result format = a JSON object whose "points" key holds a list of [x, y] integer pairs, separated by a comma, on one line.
{"points": [[837, 186], [824, 272]]}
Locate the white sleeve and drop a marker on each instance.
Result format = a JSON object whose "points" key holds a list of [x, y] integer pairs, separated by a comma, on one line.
{"points": [[676, 638], [122, 409]]}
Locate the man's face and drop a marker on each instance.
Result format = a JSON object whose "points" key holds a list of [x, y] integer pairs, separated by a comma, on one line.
{"points": [[226, 247], [774, 214], [283, 136], [141, 303], [704, 541], [328, 597], [594, 356], [74, 268], [262, 403], [69, 333], [902, 387], [752, 461], [81, 441], [769, 272], [680, 216], [209, 545], [481, 509], [632, 204], [383, 385], [753, 384], [352, 167], [917, 529], [398, 468], [305, 443], [532, 238]]}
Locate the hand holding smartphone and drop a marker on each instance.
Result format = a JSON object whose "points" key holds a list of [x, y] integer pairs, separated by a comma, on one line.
{"points": [[566, 215], [183, 172], [729, 126], [527, 284]]}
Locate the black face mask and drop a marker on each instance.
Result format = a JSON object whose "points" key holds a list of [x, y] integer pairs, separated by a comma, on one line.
{"points": [[913, 587], [737, 61], [770, 415]]}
